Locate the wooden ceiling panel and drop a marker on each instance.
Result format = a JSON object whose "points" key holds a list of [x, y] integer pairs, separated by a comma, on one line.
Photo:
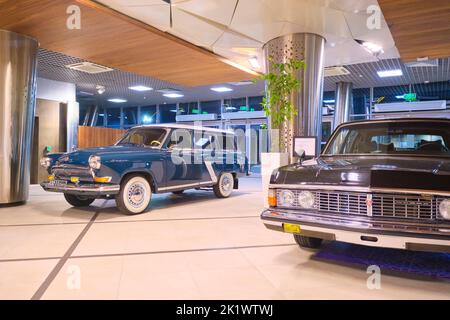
{"points": [[109, 38], [419, 28]]}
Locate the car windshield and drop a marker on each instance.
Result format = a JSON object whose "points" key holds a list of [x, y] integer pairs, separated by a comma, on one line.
{"points": [[150, 137], [426, 138]]}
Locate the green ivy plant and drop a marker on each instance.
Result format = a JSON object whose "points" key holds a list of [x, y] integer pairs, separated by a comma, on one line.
{"points": [[281, 83]]}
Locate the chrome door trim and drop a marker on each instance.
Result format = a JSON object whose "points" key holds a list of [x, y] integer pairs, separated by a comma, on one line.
{"points": [[197, 184]]}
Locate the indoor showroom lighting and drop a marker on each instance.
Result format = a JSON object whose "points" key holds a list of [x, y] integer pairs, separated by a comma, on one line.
{"points": [[390, 73], [100, 89], [329, 101], [221, 89], [173, 95], [147, 119], [254, 62], [140, 88], [117, 100], [371, 47]]}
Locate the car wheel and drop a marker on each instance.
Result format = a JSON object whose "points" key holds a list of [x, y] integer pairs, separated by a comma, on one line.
{"points": [[178, 192], [134, 196], [308, 242], [224, 185], [78, 201]]}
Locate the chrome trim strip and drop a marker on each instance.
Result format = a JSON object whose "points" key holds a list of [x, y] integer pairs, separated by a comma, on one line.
{"points": [[211, 172], [87, 188], [357, 189], [197, 184]]}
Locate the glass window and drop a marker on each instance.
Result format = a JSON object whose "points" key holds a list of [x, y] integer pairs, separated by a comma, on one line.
{"points": [[407, 138], [113, 117], [148, 115], [254, 103], [101, 117], [235, 105], [188, 108], [389, 94], [326, 130], [361, 103], [207, 107], [180, 139], [168, 113], [150, 137], [130, 117]]}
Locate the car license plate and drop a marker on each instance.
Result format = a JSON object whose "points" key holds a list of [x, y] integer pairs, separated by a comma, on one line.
{"points": [[57, 183], [291, 228]]}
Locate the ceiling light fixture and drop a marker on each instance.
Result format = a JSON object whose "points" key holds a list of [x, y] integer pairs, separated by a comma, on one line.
{"points": [[371, 47], [117, 100], [100, 89], [140, 88], [221, 89], [254, 62], [390, 73], [173, 95], [329, 101]]}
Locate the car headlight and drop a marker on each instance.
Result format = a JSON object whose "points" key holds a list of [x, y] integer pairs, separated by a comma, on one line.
{"points": [[94, 162], [306, 199], [45, 162], [286, 198], [444, 209]]}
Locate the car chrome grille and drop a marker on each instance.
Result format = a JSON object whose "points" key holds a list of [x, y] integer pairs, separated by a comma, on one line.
{"points": [[383, 205]]}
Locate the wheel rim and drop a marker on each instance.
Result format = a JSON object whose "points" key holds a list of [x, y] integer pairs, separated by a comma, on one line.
{"points": [[226, 184], [136, 194]]}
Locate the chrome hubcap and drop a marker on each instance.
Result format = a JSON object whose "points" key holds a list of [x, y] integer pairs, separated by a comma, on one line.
{"points": [[226, 184], [136, 194]]}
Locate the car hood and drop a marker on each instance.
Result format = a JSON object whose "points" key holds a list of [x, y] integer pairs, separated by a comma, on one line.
{"points": [[376, 172], [81, 156]]}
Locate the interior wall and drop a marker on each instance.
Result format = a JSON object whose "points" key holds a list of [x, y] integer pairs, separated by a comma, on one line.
{"points": [[52, 131], [97, 136]]}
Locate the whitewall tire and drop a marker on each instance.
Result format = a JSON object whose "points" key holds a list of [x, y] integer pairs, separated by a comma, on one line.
{"points": [[134, 196], [224, 186]]}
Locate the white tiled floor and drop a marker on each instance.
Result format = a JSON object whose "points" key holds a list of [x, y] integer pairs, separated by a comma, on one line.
{"points": [[192, 246]]}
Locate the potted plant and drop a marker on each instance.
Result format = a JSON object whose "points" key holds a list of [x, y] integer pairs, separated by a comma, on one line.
{"points": [[281, 84]]}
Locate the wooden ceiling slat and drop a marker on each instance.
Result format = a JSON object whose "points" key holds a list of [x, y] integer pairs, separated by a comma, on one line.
{"points": [[115, 40], [419, 28]]}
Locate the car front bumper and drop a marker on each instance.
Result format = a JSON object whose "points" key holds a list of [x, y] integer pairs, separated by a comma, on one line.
{"points": [[362, 230], [86, 189]]}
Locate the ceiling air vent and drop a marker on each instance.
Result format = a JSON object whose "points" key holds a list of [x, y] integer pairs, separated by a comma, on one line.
{"points": [[422, 62], [88, 67], [336, 71]]}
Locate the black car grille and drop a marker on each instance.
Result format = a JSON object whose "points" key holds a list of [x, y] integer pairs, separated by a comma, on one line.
{"points": [[383, 205]]}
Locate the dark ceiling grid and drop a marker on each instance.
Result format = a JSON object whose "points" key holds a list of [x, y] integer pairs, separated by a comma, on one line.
{"points": [[51, 65]]}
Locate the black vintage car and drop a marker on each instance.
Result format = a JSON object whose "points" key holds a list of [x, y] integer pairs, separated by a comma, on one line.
{"points": [[382, 183]]}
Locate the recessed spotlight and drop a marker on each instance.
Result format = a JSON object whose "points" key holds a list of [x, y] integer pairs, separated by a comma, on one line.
{"points": [[221, 89], [426, 81], [173, 95], [390, 73], [254, 62], [117, 100], [140, 88], [360, 75], [333, 44]]}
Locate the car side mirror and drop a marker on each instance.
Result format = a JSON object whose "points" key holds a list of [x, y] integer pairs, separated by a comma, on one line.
{"points": [[305, 147]]}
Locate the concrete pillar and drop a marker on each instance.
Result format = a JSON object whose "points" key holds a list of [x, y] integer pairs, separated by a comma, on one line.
{"points": [[344, 103], [308, 99], [17, 102]]}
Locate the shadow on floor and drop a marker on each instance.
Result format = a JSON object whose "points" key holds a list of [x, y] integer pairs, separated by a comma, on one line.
{"points": [[400, 263]]}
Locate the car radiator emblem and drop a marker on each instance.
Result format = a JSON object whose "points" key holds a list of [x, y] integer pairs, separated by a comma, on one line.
{"points": [[369, 203]]}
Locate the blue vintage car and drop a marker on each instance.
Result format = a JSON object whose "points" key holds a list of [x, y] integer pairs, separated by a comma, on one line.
{"points": [[146, 160]]}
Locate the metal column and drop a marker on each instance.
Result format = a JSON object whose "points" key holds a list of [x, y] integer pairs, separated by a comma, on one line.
{"points": [[17, 106], [308, 99], [344, 103]]}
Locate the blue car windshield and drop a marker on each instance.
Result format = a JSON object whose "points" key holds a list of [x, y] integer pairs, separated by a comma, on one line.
{"points": [[392, 138], [150, 137]]}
